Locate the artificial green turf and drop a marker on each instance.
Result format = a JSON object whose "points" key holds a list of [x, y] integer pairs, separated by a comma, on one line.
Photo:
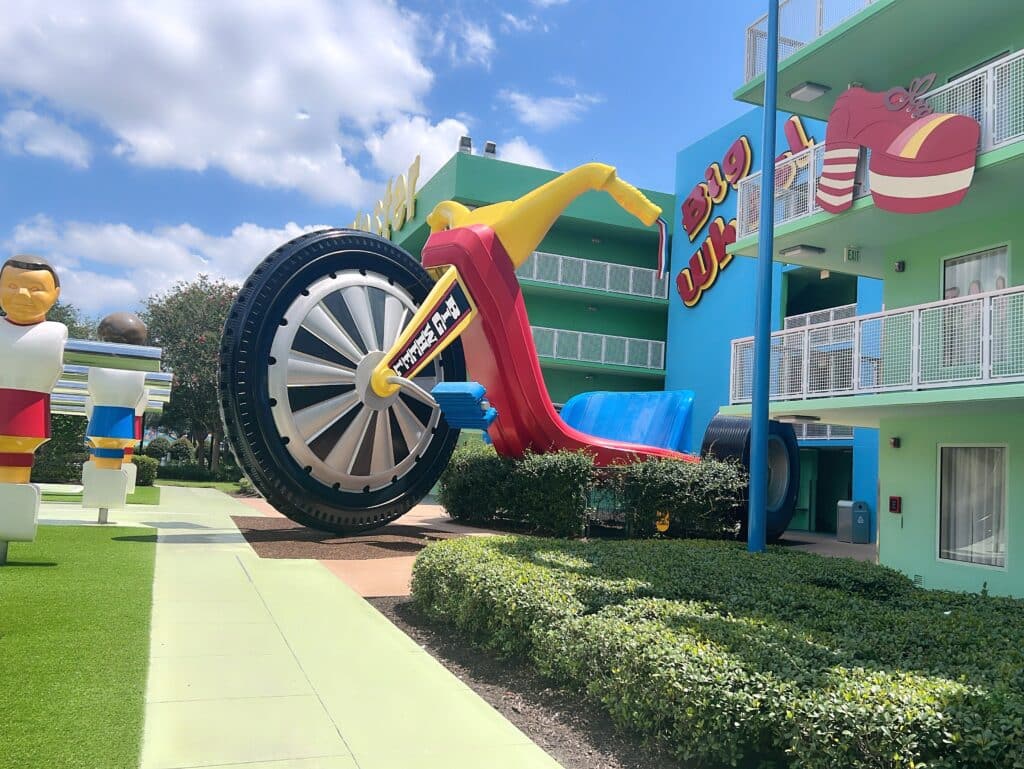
{"points": [[144, 495], [74, 648]]}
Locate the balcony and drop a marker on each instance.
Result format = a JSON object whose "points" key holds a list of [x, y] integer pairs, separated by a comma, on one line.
{"points": [[819, 316], [973, 340], [570, 271], [800, 22], [816, 431], [583, 347], [993, 95], [880, 43]]}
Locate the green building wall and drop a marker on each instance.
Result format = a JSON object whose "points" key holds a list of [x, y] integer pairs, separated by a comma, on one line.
{"points": [[909, 541]]}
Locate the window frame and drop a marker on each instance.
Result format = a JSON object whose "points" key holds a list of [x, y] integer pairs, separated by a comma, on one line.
{"points": [[1006, 504]]}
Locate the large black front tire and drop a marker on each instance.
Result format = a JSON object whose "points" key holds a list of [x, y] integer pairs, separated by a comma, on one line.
{"points": [[299, 342], [729, 438]]}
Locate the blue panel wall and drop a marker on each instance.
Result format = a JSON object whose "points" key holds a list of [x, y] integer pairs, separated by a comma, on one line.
{"points": [[865, 439], [699, 338]]}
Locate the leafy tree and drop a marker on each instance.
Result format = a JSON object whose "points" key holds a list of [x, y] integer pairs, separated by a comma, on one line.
{"points": [[158, 448], [80, 325], [187, 322], [182, 451]]}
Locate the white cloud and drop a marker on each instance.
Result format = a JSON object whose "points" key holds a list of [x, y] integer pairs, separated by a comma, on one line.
{"points": [[394, 149], [26, 132], [108, 266], [464, 41], [548, 3], [511, 23], [518, 150], [260, 90], [547, 112]]}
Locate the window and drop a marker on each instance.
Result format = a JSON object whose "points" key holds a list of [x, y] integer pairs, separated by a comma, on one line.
{"points": [[972, 504], [961, 323], [975, 273]]}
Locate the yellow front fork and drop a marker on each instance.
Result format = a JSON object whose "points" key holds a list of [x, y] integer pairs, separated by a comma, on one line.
{"points": [[443, 316]]}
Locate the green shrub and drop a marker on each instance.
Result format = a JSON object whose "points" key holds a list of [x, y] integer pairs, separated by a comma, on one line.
{"points": [[733, 658], [700, 498], [182, 452], [158, 448], [60, 459], [193, 472], [146, 474], [473, 487], [549, 492], [246, 489]]}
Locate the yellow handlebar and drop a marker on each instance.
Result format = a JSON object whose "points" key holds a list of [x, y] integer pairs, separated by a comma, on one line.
{"points": [[633, 201]]}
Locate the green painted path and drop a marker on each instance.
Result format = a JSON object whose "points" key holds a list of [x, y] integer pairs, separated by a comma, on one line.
{"points": [[275, 664]]}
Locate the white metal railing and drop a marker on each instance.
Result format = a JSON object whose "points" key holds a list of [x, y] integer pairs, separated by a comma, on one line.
{"points": [[972, 340], [598, 348], [820, 316], [587, 273], [800, 22], [816, 431], [993, 95]]}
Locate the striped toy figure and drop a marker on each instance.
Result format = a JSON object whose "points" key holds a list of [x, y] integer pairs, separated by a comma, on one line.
{"points": [[920, 161], [31, 361], [130, 469], [114, 397]]}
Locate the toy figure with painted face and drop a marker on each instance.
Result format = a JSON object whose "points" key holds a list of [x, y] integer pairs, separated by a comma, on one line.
{"points": [[31, 361], [115, 396]]}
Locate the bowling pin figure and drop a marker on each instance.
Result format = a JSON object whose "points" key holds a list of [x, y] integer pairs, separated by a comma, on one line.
{"points": [[114, 395], [31, 361]]}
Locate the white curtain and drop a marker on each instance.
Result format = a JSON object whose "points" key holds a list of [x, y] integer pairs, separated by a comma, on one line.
{"points": [[972, 513], [973, 274]]}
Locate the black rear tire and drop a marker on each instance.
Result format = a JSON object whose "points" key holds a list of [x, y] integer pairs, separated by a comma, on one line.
{"points": [[356, 291], [729, 438]]}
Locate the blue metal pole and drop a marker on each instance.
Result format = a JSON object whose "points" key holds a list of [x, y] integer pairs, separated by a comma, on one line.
{"points": [[756, 520]]}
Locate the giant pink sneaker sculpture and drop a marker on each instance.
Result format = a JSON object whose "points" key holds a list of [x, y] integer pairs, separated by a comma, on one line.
{"points": [[920, 161]]}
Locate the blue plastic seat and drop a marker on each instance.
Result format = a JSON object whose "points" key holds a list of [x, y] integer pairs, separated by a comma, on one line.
{"points": [[651, 418]]}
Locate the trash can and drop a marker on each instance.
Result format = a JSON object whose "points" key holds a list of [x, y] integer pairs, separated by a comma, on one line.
{"points": [[853, 522]]}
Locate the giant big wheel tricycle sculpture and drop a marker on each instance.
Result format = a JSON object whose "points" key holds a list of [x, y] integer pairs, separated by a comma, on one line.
{"points": [[345, 362]]}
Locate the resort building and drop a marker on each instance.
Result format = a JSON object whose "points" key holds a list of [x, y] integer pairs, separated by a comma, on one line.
{"points": [[918, 186]]}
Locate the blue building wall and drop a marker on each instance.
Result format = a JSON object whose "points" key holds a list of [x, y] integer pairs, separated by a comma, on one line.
{"points": [[698, 348], [865, 439]]}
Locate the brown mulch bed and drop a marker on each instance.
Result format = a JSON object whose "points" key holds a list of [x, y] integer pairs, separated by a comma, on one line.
{"points": [[576, 735], [283, 538]]}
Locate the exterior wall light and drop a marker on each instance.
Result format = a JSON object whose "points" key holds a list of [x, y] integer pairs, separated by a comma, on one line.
{"points": [[894, 442], [808, 92], [801, 252], [899, 266]]}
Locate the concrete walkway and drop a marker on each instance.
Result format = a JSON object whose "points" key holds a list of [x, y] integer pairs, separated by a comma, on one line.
{"points": [[275, 664]]}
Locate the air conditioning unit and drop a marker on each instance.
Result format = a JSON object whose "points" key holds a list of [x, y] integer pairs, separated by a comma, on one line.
{"points": [[851, 254]]}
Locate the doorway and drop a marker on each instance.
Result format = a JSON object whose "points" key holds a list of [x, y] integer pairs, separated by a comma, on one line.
{"points": [[826, 476]]}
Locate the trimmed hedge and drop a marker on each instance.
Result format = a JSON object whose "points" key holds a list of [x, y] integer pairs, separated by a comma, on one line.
{"points": [[733, 658], [146, 474], [701, 498], [550, 493], [60, 459], [193, 472], [473, 487]]}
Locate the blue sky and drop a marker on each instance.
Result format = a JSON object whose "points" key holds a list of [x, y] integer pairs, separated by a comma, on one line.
{"points": [[138, 148]]}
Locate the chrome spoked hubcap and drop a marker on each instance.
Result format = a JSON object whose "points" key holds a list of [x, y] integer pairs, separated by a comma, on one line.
{"points": [[332, 422]]}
